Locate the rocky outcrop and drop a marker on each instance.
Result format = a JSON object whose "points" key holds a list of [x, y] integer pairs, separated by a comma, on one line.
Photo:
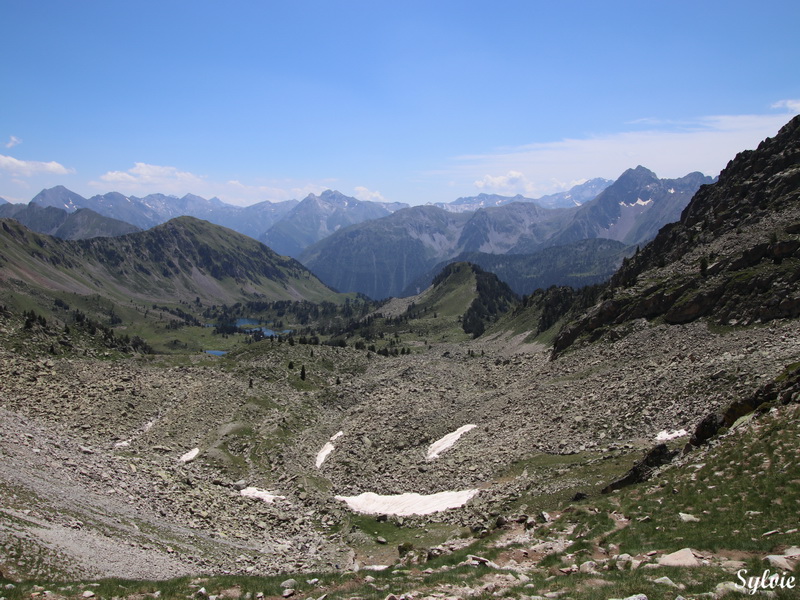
{"points": [[785, 389], [656, 457]]}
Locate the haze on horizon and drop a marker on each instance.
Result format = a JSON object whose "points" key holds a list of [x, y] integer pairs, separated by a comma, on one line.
{"points": [[411, 102]]}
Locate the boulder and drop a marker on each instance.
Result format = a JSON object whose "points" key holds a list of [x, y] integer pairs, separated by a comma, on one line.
{"points": [[641, 471], [681, 558]]}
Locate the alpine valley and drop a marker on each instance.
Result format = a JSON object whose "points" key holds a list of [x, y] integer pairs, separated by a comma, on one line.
{"points": [[587, 396]]}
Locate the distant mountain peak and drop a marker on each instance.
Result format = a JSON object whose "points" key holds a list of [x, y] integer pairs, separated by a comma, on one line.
{"points": [[638, 174], [59, 197]]}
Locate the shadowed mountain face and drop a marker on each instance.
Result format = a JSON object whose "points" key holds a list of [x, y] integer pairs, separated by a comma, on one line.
{"points": [[380, 257], [82, 224], [183, 259], [579, 264], [386, 257]]}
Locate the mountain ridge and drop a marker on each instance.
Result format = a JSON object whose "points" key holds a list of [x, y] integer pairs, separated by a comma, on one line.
{"points": [[185, 258]]}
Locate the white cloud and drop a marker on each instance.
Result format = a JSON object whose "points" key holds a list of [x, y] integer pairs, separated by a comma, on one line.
{"points": [[27, 168], [13, 141], [793, 106], [363, 193], [511, 183], [236, 192], [143, 179], [670, 149], [149, 177]]}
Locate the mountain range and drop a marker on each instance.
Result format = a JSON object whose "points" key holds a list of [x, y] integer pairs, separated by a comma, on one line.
{"points": [[575, 196], [388, 249], [156, 209], [383, 257], [288, 227]]}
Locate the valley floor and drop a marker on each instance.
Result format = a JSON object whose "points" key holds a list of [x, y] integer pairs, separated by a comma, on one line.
{"points": [[92, 485]]}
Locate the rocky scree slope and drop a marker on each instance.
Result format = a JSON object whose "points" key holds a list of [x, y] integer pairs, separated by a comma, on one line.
{"points": [[82, 436]]}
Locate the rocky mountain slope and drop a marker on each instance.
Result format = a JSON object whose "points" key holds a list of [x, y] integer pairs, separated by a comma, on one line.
{"points": [[733, 256], [92, 449], [631, 210], [82, 224]]}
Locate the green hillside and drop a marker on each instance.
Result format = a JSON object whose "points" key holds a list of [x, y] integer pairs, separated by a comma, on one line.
{"points": [[182, 260]]}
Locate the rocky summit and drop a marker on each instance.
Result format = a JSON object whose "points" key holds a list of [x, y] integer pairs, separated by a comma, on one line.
{"points": [[634, 440]]}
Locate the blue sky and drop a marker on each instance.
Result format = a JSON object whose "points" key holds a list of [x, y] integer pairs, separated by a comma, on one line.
{"points": [[404, 101]]}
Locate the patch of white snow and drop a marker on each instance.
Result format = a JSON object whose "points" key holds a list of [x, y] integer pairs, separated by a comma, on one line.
{"points": [[405, 505], [190, 455], [439, 446], [254, 492], [327, 449], [664, 436]]}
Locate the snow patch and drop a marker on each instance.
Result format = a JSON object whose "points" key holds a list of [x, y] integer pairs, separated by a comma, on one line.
{"points": [[190, 455], [327, 449], [639, 202], [664, 436], [405, 505], [254, 492], [439, 446]]}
